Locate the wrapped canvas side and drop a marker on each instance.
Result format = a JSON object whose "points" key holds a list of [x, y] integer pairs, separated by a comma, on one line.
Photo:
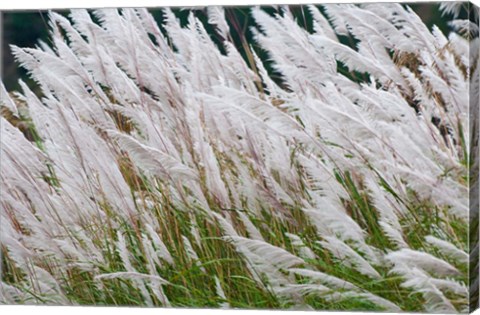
{"points": [[474, 99]]}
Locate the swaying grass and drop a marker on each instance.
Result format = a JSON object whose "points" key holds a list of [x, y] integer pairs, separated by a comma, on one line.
{"points": [[161, 167]]}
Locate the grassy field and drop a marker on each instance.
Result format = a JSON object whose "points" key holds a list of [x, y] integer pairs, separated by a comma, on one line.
{"points": [[284, 166]]}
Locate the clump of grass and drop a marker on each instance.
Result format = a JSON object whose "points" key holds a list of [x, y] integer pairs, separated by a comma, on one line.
{"points": [[161, 167]]}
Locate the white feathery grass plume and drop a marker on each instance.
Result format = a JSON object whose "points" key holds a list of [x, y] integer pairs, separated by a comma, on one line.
{"points": [[328, 294], [11, 295], [448, 249], [303, 250], [132, 276], [270, 86], [394, 235], [321, 25], [304, 289], [265, 274], [330, 221], [17, 252], [334, 12], [453, 8], [216, 16], [151, 26], [47, 285], [22, 154], [209, 162], [253, 232], [131, 273], [435, 300], [225, 226], [156, 287], [89, 249], [388, 209], [464, 27], [192, 255], [407, 258], [349, 257], [384, 304], [123, 252], [254, 110], [347, 289], [6, 100], [73, 252], [150, 255], [352, 59], [221, 293], [153, 160], [324, 278], [274, 255], [195, 231]]}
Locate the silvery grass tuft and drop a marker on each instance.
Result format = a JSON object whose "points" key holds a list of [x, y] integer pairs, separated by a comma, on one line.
{"points": [[321, 167]]}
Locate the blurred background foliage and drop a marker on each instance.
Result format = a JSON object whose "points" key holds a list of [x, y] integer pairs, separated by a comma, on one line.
{"points": [[27, 28]]}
